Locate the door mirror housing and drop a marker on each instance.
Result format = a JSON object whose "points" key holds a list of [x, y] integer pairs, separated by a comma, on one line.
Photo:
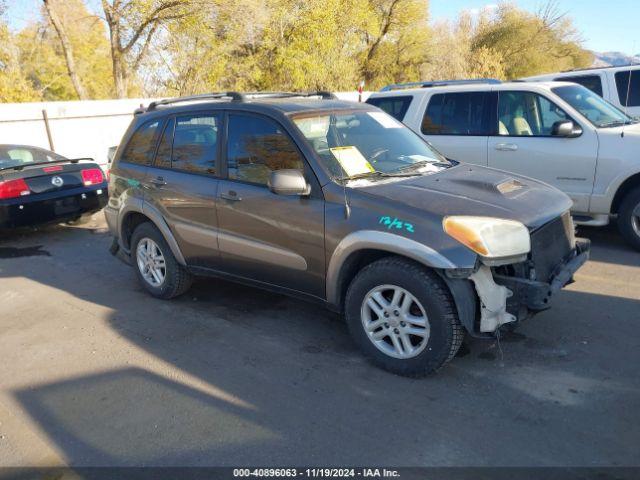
{"points": [[566, 128], [289, 182]]}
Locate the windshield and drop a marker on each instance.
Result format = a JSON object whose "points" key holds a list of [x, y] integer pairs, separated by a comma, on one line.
{"points": [[597, 110], [17, 156], [372, 143]]}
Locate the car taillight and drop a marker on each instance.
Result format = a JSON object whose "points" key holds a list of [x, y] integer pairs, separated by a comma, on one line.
{"points": [[14, 189], [55, 168], [92, 176]]}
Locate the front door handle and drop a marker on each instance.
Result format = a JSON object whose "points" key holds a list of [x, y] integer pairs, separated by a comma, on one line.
{"points": [[158, 182], [230, 195], [507, 147]]}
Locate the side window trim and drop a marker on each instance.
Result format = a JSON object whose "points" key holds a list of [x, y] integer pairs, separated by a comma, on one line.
{"points": [[306, 167], [496, 134]]}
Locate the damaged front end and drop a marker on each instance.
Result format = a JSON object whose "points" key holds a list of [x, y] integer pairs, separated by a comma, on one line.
{"points": [[512, 292]]}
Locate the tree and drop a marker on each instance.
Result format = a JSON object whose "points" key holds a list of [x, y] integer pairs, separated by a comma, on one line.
{"points": [[310, 45], [67, 48], [531, 43], [395, 41], [451, 55], [132, 26], [43, 61], [14, 86]]}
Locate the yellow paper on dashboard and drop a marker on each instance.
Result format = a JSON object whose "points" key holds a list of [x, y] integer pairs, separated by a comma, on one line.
{"points": [[351, 160]]}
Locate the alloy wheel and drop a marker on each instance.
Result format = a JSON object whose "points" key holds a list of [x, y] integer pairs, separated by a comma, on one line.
{"points": [[151, 262], [395, 321]]}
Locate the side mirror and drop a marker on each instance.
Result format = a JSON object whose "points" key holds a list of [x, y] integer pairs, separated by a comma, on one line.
{"points": [[288, 182], [566, 128]]}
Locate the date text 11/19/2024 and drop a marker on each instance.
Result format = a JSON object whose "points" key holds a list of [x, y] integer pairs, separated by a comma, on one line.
{"points": [[316, 472]]}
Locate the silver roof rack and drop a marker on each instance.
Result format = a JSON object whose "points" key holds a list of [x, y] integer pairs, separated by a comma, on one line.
{"points": [[439, 83]]}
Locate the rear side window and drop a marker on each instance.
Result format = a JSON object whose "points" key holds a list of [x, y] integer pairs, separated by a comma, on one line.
{"points": [[624, 89], [256, 147], [195, 144], [395, 106], [592, 82], [461, 113], [140, 148]]}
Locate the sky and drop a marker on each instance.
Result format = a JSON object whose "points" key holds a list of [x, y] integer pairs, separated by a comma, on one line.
{"points": [[605, 25]]}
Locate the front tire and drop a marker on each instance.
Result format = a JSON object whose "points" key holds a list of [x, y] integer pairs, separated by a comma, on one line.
{"points": [[156, 268], [629, 218], [402, 317]]}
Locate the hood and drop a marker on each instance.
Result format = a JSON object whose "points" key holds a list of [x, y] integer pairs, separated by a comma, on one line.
{"points": [[474, 190], [632, 130]]}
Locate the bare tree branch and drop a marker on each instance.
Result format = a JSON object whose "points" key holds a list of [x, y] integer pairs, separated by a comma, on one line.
{"points": [[67, 49]]}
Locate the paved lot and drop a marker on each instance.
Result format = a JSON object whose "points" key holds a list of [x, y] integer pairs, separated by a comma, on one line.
{"points": [[96, 372]]}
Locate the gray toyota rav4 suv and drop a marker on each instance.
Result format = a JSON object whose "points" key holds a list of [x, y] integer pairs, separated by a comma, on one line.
{"points": [[341, 204]]}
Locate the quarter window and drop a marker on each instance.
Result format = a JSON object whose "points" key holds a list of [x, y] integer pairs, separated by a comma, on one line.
{"points": [[395, 106], [592, 82], [624, 89], [140, 148], [527, 114], [256, 147], [464, 113], [195, 144]]}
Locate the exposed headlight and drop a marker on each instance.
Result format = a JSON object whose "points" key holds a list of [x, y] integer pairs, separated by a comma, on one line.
{"points": [[492, 238]]}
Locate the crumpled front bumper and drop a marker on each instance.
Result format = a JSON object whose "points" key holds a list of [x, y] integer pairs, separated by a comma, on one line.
{"points": [[534, 296]]}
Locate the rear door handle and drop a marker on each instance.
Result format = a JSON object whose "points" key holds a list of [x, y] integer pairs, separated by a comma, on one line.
{"points": [[230, 195], [158, 182], [507, 147]]}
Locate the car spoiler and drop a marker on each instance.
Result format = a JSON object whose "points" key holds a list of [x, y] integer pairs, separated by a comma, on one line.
{"points": [[52, 162]]}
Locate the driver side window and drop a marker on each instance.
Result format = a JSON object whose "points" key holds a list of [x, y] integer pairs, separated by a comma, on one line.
{"points": [[527, 114], [257, 146]]}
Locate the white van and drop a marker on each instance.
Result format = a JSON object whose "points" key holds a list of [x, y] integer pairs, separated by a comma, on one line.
{"points": [[613, 84], [557, 132]]}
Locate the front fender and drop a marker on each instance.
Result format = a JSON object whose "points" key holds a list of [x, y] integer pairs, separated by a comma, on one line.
{"points": [[376, 240]]}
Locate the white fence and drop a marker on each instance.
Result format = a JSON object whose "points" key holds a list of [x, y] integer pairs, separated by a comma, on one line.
{"points": [[76, 129]]}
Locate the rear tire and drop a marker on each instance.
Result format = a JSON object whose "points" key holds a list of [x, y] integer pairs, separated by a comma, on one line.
{"points": [[156, 268], [628, 222], [420, 293]]}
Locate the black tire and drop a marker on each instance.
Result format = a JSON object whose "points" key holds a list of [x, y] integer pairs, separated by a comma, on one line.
{"points": [[177, 279], [628, 224], [430, 290]]}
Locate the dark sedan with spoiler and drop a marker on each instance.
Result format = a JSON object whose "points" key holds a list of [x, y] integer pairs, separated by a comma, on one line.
{"points": [[38, 186]]}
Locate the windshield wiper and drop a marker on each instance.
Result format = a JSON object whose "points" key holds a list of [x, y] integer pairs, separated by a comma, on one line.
{"points": [[422, 163], [379, 175]]}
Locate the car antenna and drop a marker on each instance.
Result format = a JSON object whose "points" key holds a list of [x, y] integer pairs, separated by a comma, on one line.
{"points": [[347, 207], [626, 103]]}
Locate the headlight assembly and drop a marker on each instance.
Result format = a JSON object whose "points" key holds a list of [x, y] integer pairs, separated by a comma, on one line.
{"points": [[492, 238]]}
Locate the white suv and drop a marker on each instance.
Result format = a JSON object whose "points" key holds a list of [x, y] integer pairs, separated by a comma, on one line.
{"points": [[557, 132], [617, 85]]}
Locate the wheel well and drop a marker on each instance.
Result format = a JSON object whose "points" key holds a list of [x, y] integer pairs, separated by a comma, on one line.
{"points": [[129, 224], [628, 185], [356, 262]]}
